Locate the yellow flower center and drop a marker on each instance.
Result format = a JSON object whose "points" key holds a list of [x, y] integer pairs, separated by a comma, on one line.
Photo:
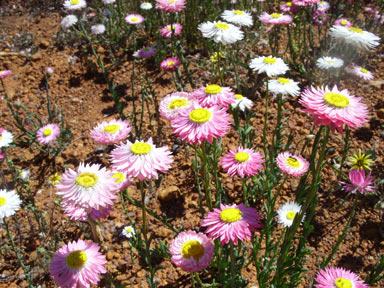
{"points": [[178, 103], [170, 63], [239, 96], [2, 201], [275, 15], [343, 283], [290, 215], [321, 3], [129, 229], [113, 128], [119, 177], [47, 132], [200, 115], [212, 89], [134, 19], [76, 259], [356, 30], [364, 70], [283, 80], [241, 156], [230, 215], [293, 162], [336, 100], [1, 137], [222, 26], [343, 22], [74, 2], [171, 1], [1, 72], [192, 248], [239, 12], [289, 4], [87, 179], [170, 27], [269, 60], [141, 148]]}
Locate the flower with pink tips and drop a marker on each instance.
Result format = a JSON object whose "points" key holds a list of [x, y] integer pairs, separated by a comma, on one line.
{"points": [[80, 213], [339, 278], [141, 159], [305, 2], [232, 223], [275, 18], [145, 52], [89, 187], [360, 72], [48, 133], [359, 182], [78, 264], [5, 73], [214, 95], [110, 132], [294, 165], [343, 22], [334, 108], [289, 7], [201, 124], [170, 64], [243, 162], [134, 19], [172, 104], [170, 5], [121, 179], [167, 30], [191, 251]]}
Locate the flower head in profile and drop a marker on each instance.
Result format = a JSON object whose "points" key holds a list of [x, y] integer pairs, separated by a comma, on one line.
{"points": [[359, 182], [284, 86], [121, 179], [48, 133], [272, 66], [275, 18], [134, 19], [110, 132], [343, 22], [6, 138], [69, 21], [170, 64], [167, 30], [356, 37], [170, 5], [128, 232], [305, 2], [334, 108], [221, 32], [5, 73], [75, 4], [214, 95], [294, 165], [323, 6], [145, 52], [329, 62], [79, 213], [360, 72], [242, 102], [243, 162], [289, 7], [191, 251], [286, 214], [24, 174], [232, 223], [172, 104], [141, 159], [146, 6], [361, 161], [78, 264], [9, 203], [98, 29], [238, 17], [339, 278]]}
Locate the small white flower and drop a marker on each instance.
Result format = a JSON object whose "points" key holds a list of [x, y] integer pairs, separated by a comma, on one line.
{"points": [[6, 138], [68, 21], [357, 37], [272, 66], [242, 102], [24, 174], [74, 4], [49, 71], [98, 29], [284, 86], [9, 203], [329, 62], [146, 6], [221, 32], [238, 17], [287, 213], [128, 232]]}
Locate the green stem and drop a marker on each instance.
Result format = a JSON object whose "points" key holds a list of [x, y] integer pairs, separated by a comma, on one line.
{"points": [[265, 124], [233, 260]]}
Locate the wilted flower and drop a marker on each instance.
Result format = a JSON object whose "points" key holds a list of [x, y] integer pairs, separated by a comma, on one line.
{"points": [[359, 182]]}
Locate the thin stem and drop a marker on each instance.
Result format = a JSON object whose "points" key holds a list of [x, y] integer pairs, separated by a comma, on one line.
{"points": [[233, 260]]}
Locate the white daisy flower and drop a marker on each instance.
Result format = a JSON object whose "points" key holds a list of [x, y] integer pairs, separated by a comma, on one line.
{"points": [[68, 21], [9, 203], [329, 62], [360, 72], [98, 29], [286, 214], [242, 102], [6, 138], [74, 4], [272, 66], [284, 86], [128, 232], [238, 17], [24, 174], [146, 6], [221, 32], [357, 37]]}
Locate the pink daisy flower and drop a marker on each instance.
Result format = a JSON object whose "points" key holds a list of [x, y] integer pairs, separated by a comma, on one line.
{"points": [[88, 187], [319, 17], [111, 132], [79, 213], [191, 251], [343, 22], [134, 19], [289, 7], [275, 18], [121, 180], [242, 161], [214, 95], [170, 64], [232, 222], [48, 133], [201, 124], [359, 182], [360, 72], [334, 107], [293, 165], [170, 5], [78, 264], [145, 52], [5, 73], [305, 2], [339, 278], [167, 30], [172, 104], [141, 159]]}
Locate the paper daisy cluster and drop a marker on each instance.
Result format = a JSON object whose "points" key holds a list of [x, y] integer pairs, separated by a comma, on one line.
{"points": [[172, 104], [329, 62], [48, 133], [238, 17], [270, 65], [356, 37], [9, 203], [111, 132], [214, 95], [221, 32]]}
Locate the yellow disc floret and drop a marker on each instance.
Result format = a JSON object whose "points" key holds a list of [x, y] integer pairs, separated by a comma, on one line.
{"points": [[76, 259], [293, 162], [343, 283], [239, 96], [47, 131], [290, 215], [356, 30], [119, 177], [241, 156], [141, 148], [87, 179], [200, 115], [178, 103], [134, 19], [192, 248], [275, 15], [212, 89], [74, 2], [2, 201], [336, 99], [269, 60], [239, 12], [283, 80], [363, 70], [113, 128], [230, 215], [222, 26]]}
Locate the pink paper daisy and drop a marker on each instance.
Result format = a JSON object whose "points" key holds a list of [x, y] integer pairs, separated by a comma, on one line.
{"points": [[78, 264], [145, 52], [289, 7], [121, 180], [48, 133], [79, 213], [275, 18], [293, 165], [343, 22], [360, 72], [141, 159], [191, 251], [170, 64], [305, 2], [88, 187], [359, 182], [201, 124], [232, 222], [167, 30], [111, 132], [339, 278], [170, 5], [5, 73], [334, 107], [214, 95], [172, 104], [134, 19], [242, 161]]}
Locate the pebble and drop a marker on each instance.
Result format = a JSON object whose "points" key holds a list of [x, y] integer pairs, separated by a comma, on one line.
{"points": [[168, 194]]}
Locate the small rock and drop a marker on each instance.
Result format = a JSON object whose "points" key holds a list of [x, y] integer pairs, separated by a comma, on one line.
{"points": [[110, 255], [163, 232], [36, 56], [168, 194], [44, 44], [380, 113], [379, 84]]}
